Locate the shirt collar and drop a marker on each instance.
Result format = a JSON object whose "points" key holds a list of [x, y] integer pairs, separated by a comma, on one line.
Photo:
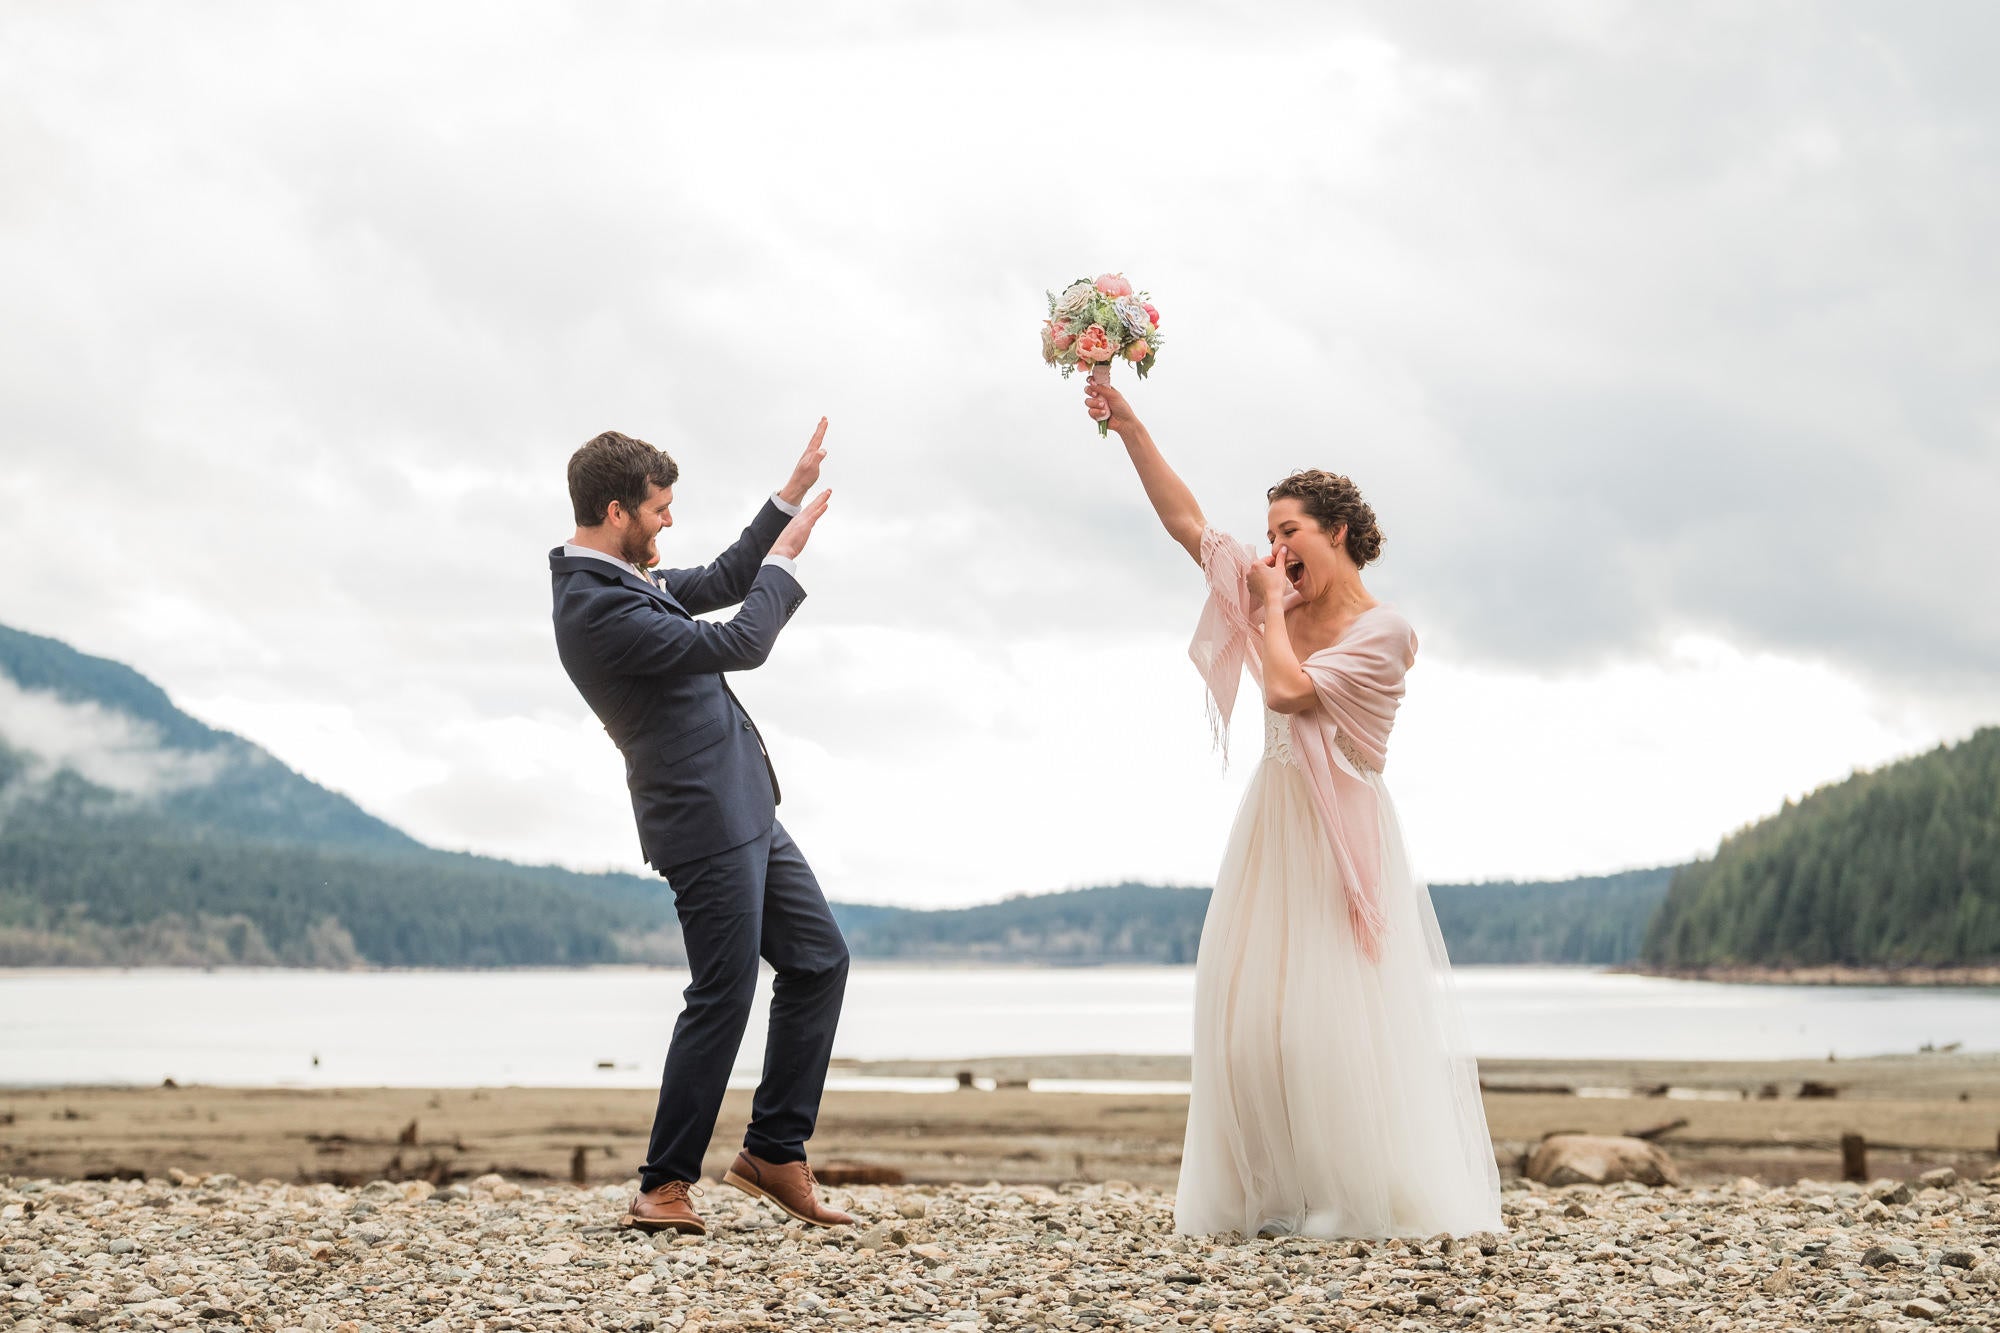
{"points": [[571, 548]]}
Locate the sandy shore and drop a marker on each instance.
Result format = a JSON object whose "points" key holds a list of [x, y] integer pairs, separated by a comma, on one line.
{"points": [[1917, 1112]]}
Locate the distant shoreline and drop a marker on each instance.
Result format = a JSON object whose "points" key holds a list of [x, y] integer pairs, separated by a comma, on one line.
{"points": [[1828, 975], [1985, 975]]}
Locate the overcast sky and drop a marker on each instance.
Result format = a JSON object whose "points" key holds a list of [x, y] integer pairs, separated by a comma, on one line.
{"points": [[1662, 338]]}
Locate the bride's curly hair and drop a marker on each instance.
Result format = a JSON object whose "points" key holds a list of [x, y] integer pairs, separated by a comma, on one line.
{"points": [[1332, 500]]}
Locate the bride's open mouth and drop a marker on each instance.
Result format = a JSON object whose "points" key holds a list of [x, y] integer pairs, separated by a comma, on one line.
{"points": [[1295, 570]]}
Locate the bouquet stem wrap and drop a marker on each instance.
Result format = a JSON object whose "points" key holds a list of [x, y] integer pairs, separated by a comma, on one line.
{"points": [[1101, 374]]}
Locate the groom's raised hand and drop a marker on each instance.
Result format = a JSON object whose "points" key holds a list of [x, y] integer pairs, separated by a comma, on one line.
{"points": [[806, 472], [793, 539]]}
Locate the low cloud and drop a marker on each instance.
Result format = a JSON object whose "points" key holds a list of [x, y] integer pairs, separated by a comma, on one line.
{"points": [[107, 748]]}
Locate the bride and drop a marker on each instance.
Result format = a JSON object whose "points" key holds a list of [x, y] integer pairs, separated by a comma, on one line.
{"points": [[1333, 1091]]}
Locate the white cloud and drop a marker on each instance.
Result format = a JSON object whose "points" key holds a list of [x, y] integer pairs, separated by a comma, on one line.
{"points": [[111, 749], [1635, 323]]}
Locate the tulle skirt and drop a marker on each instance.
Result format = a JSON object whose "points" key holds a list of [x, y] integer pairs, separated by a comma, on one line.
{"points": [[1332, 1096]]}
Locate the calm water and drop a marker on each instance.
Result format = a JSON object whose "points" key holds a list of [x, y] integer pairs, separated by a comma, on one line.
{"points": [[455, 1029]]}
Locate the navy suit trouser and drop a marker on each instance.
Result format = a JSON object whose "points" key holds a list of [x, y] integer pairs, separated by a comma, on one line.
{"points": [[759, 900]]}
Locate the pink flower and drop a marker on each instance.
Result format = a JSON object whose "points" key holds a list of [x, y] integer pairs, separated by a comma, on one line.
{"points": [[1094, 344], [1061, 337], [1152, 314], [1113, 284], [1137, 350]]}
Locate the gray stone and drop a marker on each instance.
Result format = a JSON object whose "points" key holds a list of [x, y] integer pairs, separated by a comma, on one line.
{"points": [[284, 1259], [1600, 1159], [1877, 1256]]}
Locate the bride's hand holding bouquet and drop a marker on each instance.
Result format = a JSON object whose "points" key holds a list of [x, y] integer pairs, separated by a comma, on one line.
{"points": [[1107, 407]]}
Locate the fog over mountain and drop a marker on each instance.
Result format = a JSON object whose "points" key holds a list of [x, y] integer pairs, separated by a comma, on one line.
{"points": [[109, 749]]}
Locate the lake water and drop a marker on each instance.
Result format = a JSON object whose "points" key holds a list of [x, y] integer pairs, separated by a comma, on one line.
{"points": [[552, 1029]]}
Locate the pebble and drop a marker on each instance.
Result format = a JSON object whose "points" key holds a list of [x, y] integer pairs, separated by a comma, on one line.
{"points": [[499, 1255]]}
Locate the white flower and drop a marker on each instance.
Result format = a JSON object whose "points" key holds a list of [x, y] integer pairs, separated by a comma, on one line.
{"points": [[1133, 312], [1075, 298]]}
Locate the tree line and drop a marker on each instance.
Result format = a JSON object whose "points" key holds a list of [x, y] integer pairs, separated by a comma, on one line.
{"points": [[1898, 867]]}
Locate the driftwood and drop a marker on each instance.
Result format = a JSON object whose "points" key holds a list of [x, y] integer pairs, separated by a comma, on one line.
{"points": [[1811, 1089], [1665, 1127], [1547, 1089], [435, 1169], [855, 1173]]}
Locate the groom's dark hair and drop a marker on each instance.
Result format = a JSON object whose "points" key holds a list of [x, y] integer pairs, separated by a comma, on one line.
{"points": [[615, 467]]}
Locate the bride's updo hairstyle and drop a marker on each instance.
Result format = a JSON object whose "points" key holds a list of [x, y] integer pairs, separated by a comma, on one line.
{"points": [[1332, 500]]}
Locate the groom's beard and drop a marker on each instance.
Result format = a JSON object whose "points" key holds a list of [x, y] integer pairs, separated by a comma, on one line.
{"points": [[638, 550]]}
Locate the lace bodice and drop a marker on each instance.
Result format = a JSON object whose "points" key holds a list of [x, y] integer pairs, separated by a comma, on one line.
{"points": [[1278, 742], [1278, 737]]}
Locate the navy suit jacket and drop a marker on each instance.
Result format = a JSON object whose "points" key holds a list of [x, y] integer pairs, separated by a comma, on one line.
{"points": [[701, 780]]}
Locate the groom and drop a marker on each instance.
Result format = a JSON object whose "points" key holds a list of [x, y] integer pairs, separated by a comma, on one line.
{"points": [[705, 796]]}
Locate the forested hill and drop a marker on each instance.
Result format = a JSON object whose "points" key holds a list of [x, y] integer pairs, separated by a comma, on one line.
{"points": [[1598, 920], [1898, 867], [132, 833]]}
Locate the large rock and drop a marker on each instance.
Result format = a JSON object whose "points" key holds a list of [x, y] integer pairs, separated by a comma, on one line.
{"points": [[1600, 1159]]}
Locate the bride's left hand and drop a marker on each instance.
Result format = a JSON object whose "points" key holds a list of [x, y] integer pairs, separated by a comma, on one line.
{"points": [[1267, 578]]}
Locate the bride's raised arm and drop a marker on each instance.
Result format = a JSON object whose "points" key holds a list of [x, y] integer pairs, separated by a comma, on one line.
{"points": [[1172, 500]]}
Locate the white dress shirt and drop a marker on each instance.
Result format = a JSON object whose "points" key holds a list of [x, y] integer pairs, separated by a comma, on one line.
{"points": [[783, 562]]}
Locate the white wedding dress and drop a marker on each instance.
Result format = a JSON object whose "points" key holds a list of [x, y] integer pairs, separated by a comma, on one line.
{"points": [[1334, 1094]]}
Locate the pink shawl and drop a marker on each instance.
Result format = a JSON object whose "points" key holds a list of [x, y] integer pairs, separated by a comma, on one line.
{"points": [[1358, 683]]}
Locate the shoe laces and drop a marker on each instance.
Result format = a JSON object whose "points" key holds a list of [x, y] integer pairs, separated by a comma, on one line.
{"points": [[677, 1191]]}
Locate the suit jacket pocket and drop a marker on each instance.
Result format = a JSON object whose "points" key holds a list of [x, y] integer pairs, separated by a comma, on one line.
{"points": [[692, 742]]}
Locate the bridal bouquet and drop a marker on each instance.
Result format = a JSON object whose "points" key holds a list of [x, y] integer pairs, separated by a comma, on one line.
{"points": [[1091, 324]]}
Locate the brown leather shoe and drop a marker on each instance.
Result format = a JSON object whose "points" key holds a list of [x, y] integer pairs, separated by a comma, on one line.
{"points": [[666, 1208], [790, 1185]]}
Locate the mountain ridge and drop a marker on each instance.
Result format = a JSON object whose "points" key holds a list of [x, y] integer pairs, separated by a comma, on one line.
{"points": [[174, 841]]}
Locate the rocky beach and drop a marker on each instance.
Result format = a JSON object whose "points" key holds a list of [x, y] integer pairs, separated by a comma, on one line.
{"points": [[493, 1254], [1007, 1206]]}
